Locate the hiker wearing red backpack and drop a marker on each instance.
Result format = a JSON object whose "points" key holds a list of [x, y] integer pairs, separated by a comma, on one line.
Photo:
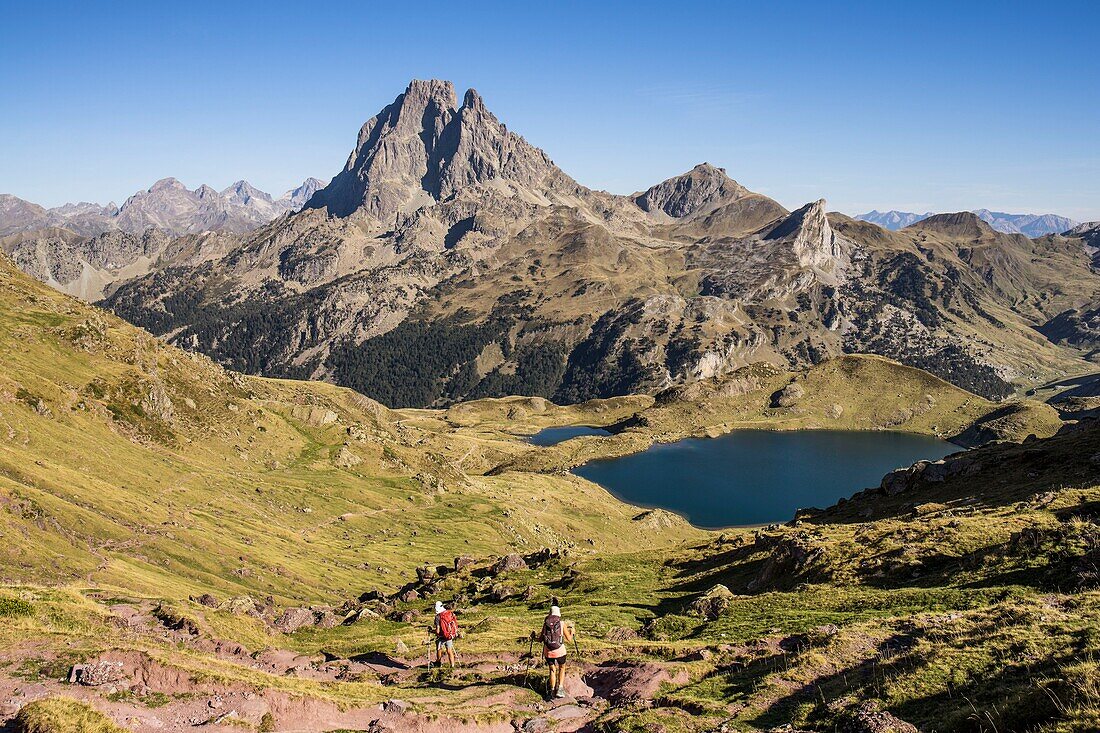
{"points": [[555, 636], [445, 628]]}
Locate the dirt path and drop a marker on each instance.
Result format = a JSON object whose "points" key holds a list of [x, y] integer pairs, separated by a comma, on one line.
{"points": [[148, 696]]}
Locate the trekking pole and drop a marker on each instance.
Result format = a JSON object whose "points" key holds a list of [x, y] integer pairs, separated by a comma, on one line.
{"points": [[530, 658]]}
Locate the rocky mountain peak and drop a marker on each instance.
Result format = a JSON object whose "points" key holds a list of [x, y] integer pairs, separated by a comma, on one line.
{"points": [[1089, 227], [472, 99], [167, 184], [242, 192], [701, 187], [812, 238], [296, 198], [420, 93], [423, 148]]}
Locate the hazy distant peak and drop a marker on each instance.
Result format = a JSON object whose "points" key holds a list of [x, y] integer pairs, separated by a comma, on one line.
{"points": [[1032, 225], [166, 184], [242, 192], [167, 205]]}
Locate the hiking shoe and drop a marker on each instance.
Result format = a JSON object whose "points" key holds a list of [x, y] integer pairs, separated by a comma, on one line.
{"points": [[559, 693]]}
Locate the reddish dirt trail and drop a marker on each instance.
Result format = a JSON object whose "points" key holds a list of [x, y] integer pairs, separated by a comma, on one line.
{"points": [[223, 707]]}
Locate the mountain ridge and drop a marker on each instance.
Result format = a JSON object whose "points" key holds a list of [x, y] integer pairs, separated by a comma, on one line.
{"points": [[1032, 225], [449, 259], [167, 205]]}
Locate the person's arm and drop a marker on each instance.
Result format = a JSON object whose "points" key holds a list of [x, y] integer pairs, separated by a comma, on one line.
{"points": [[568, 630]]}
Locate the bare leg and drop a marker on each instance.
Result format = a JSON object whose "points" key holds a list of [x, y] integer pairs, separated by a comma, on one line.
{"points": [[553, 683], [450, 657]]}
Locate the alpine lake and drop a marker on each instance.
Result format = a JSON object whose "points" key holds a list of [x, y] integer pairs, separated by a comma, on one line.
{"points": [[750, 477]]}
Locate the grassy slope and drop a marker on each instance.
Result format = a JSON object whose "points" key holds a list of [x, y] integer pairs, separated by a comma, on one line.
{"points": [[935, 604], [235, 488]]}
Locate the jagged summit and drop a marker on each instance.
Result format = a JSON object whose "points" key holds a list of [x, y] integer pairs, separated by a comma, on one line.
{"points": [[424, 147], [243, 192], [167, 205], [703, 186], [812, 238]]}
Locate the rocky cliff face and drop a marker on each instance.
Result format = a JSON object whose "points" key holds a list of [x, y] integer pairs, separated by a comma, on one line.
{"points": [[451, 259], [89, 267]]}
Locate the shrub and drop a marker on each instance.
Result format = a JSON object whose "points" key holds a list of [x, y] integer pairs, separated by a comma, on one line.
{"points": [[15, 608]]}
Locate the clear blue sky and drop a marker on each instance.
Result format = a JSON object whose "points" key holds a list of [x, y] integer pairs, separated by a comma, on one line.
{"points": [[916, 106]]}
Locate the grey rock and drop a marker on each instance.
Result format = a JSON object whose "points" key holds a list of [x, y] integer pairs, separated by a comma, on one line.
{"points": [[701, 187]]}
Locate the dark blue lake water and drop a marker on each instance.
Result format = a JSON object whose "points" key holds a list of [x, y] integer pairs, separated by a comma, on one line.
{"points": [[553, 436], [759, 476]]}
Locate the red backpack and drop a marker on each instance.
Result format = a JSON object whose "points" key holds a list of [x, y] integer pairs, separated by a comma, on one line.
{"points": [[448, 625]]}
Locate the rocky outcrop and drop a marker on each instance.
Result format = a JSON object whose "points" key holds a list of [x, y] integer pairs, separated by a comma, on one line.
{"points": [[868, 717], [509, 563], [789, 395], [810, 236], [713, 603]]}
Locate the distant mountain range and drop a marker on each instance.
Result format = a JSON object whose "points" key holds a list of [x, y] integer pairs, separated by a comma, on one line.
{"points": [[167, 205], [1031, 225], [449, 259]]}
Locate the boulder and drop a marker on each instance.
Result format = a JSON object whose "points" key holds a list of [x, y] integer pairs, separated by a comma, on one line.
{"points": [[713, 603], [395, 707], [462, 562], [537, 725], [789, 395], [94, 674], [508, 563], [293, 619], [500, 592], [620, 633], [868, 718], [345, 458], [206, 600], [326, 619]]}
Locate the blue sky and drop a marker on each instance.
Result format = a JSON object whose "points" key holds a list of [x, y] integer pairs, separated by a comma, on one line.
{"points": [[916, 106]]}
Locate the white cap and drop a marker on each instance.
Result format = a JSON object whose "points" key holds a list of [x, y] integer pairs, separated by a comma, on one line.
{"points": [[555, 611], [439, 606]]}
